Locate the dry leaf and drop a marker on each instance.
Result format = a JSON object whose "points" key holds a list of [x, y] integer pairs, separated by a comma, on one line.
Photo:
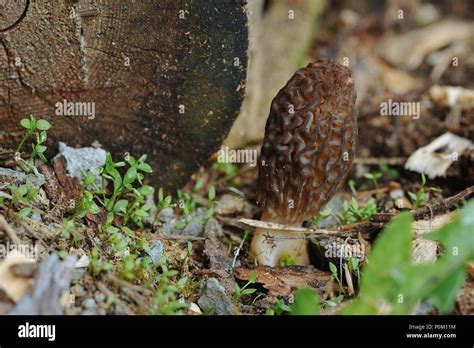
{"points": [[435, 158], [13, 285], [283, 281], [409, 49]]}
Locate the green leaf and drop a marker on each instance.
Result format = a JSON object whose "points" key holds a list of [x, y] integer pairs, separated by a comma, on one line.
{"points": [[248, 291], [130, 176], [146, 190], [41, 137], [444, 295], [160, 195], [333, 268], [306, 302], [253, 277], [43, 125], [382, 277], [25, 123], [25, 212], [40, 148], [390, 278], [212, 193], [145, 167], [120, 206]]}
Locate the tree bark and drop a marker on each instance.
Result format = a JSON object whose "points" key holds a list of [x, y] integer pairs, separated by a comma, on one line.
{"points": [[166, 77]]}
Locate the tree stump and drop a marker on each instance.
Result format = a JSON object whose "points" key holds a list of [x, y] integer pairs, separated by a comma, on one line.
{"points": [[165, 78]]}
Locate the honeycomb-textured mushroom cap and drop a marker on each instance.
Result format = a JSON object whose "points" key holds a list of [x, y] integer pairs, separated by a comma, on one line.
{"points": [[309, 145]]}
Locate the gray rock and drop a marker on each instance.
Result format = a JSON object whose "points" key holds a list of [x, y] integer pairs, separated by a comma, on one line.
{"points": [[170, 228], [90, 311], [78, 290], [194, 228], [99, 297], [166, 215], [336, 204], [215, 299], [13, 177], [78, 274], [156, 251], [52, 278], [119, 309], [36, 217], [214, 227], [86, 158], [89, 303]]}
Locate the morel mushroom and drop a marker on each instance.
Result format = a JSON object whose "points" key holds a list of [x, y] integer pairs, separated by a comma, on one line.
{"points": [[307, 152]]}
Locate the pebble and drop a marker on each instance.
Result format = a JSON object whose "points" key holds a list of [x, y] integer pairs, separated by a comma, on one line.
{"points": [[166, 215], [35, 180], [193, 228], [89, 303], [78, 290], [214, 227], [82, 159], [156, 251], [215, 299], [99, 297]]}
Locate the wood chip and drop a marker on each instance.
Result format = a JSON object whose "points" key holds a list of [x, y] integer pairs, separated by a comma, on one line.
{"points": [[283, 281], [13, 285], [408, 50], [435, 158]]}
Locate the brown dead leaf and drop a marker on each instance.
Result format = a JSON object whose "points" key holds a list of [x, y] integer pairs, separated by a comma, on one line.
{"points": [[283, 281], [13, 285]]}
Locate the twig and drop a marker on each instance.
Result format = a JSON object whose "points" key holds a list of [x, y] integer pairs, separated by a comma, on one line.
{"points": [[9, 230], [429, 210], [390, 161], [376, 223], [362, 227]]}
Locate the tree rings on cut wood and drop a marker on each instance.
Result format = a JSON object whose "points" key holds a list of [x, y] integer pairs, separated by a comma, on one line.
{"points": [[165, 78], [12, 12]]}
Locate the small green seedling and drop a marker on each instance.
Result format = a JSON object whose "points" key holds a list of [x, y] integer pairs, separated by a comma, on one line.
{"points": [[68, 230], [164, 202], [165, 299], [321, 215], [354, 213], [38, 128], [352, 183], [97, 266], [242, 291], [419, 198], [24, 195], [335, 275], [374, 177], [385, 169], [279, 308], [286, 261]]}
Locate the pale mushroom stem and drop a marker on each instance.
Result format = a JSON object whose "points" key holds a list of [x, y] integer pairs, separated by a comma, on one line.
{"points": [[269, 246]]}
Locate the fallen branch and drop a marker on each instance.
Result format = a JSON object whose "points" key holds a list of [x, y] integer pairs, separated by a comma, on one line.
{"points": [[378, 221], [429, 210], [4, 226]]}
